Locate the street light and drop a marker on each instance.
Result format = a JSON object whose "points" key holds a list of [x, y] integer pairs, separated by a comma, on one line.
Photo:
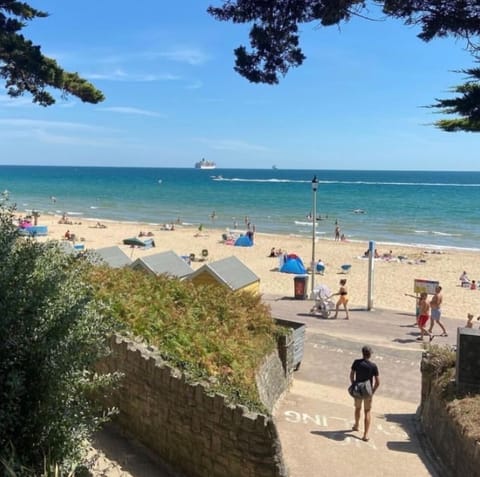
{"points": [[314, 223]]}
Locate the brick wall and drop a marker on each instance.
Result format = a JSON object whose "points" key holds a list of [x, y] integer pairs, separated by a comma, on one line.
{"points": [[197, 434]]}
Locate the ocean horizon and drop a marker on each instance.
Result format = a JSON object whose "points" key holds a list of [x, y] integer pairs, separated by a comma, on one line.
{"points": [[431, 209]]}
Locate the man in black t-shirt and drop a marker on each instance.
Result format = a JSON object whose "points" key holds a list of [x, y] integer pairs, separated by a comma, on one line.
{"points": [[363, 370]]}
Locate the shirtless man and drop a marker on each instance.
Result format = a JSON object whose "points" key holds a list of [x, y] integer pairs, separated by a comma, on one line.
{"points": [[423, 316], [436, 311]]}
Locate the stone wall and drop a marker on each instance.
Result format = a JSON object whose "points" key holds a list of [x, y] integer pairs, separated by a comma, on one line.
{"points": [[196, 433], [273, 379], [459, 454]]}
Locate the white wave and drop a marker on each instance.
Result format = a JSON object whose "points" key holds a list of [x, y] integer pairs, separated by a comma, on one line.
{"points": [[237, 179], [446, 234], [434, 232], [94, 207], [386, 183], [298, 222]]}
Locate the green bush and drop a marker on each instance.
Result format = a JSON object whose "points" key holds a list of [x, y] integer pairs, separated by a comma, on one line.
{"points": [[214, 336], [52, 329]]}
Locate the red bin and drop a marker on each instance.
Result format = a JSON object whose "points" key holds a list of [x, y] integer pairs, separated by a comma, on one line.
{"points": [[300, 283]]}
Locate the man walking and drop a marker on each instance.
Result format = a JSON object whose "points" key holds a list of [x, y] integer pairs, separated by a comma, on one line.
{"points": [[436, 311], [364, 370]]}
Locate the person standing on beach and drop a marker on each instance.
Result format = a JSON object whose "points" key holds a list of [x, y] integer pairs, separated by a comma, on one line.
{"points": [[337, 232], [423, 316], [436, 311], [364, 370], [343, 298]]}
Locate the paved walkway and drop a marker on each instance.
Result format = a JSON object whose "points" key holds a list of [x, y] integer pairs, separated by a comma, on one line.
{"points": [[315, 418]]}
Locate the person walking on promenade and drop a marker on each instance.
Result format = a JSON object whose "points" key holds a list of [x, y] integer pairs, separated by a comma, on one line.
{"points": [[423, 316], [364, 370], [436, 311], [343, 298]]}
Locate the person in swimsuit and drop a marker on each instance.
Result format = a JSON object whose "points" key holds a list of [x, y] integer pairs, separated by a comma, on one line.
{"points": [[436, 311], [424, 316], [343, 298]]}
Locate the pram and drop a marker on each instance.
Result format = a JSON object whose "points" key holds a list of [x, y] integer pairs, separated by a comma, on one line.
{"points": [[324, 305]]}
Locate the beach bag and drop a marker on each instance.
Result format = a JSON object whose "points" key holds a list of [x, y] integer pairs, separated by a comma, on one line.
{"points": [[361, 389]]}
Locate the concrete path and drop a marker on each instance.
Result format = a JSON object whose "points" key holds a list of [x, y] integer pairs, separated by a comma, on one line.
{"points": [[315, 418]]}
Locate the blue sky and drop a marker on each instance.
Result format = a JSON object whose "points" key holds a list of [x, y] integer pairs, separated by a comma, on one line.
{"points": [[172, 97]]}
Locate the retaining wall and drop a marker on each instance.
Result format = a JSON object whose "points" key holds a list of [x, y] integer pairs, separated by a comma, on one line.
{"points": [[196, 433], [459, 453]]}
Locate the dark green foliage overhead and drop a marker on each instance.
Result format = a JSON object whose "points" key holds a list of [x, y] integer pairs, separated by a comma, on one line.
{"points": [[466, 104], [275, 41], [24, 67], [51, 331]]}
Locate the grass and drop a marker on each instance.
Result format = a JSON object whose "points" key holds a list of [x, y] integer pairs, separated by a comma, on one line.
{"points": [[463, 408]]}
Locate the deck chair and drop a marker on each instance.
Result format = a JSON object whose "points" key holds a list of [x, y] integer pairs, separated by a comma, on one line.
{"points": [[204, 255], [346, 268]]}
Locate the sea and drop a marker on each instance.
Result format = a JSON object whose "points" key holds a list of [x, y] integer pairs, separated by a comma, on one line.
{"points": [[422, 208]]}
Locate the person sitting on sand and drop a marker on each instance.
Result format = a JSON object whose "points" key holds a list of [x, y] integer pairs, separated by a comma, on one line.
{"points": [[273, 253], [464, 280], [473, 285]]}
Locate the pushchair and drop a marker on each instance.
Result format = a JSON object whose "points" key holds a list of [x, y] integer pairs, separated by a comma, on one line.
{"points": [[324, 305]]}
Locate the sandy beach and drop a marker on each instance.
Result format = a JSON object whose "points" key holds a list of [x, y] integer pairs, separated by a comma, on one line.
{"points": [[392, 278]]}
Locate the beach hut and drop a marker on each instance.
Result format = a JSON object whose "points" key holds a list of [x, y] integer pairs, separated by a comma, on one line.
{"points": [[230, 273], [163, 263], [114, 256]]}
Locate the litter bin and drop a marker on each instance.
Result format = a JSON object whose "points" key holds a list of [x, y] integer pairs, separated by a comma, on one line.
{"points": [[300, 283]]}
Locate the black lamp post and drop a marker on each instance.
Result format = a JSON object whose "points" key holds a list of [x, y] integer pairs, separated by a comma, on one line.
{"points": [[314, 223]]}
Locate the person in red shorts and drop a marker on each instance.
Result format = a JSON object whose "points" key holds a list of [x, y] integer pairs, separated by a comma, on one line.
{"points": [[423, 316]]}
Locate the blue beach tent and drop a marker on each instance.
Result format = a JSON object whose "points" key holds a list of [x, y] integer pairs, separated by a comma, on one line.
{"points": [[293, 265], [243, 241]]}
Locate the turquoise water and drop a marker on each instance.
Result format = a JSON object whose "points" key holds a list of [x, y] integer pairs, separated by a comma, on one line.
{"points": [[424, 208]]}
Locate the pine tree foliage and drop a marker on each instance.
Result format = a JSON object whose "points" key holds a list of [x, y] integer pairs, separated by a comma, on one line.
{"points": [[25, 69], [275, 38]]}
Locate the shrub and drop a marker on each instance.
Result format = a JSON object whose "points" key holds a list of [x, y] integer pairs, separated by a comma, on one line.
{"points": [[52, 329], [214, 336]]}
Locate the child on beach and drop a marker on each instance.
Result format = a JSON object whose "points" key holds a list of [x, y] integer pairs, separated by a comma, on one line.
{"points": [[343, 300], [469, 323]]}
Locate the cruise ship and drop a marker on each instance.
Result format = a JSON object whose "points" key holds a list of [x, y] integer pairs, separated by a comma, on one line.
{"points": [[203, 164]]}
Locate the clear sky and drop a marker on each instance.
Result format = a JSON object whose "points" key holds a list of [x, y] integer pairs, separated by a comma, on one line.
{"points": [[172, 96]]}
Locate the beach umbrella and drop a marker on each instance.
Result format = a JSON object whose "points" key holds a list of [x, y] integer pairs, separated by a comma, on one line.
{"points": [[134, 241]]}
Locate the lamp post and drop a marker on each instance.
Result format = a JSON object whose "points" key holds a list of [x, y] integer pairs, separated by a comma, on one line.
{"points": [[314, 223]]}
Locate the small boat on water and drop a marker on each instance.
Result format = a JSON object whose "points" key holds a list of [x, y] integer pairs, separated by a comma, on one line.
{"points": [[204, 164]]}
